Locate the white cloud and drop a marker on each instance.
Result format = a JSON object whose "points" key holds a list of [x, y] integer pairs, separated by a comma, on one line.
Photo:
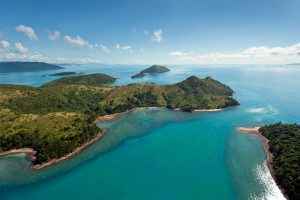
{"points": [[20, 53], [28, 31], [85, 60], [252, 55], [20, 48], [104, 48], [263, 50], [55, 35], [15, 55], [77, 41], [4, 44], [178, 53], [157, 36], [125, 47], [101, 47]]}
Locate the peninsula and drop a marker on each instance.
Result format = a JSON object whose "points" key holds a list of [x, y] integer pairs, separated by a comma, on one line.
{"points": [[152, 70], [63, 74], [15, 67], [57, 120], [282, 145]]}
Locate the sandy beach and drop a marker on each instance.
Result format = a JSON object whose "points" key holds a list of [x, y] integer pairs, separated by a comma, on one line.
{"points": [[113, 116], [107, 117], [28, 151], [201, 110], [116, 115], [265, 143], [208, 110]]}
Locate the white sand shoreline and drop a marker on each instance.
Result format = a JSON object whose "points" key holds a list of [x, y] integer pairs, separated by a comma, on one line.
{"points": [[265, 142]]}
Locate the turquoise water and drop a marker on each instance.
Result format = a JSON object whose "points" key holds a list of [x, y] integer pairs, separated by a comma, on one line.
{"points": [[161, 154]]}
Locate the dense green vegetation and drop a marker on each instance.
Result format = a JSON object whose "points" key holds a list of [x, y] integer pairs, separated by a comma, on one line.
{"points": [[154, 69], [58, 117], [9, 67], [91, 79], [58, 98], [284, 141], [188, 95], [52, 135], [63, 74]]}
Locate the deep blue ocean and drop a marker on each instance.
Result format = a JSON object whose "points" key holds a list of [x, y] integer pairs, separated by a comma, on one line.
{"points": [[161, 154]]}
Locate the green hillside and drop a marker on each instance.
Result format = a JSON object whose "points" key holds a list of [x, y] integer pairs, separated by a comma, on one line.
{"points": [[58, 117]]}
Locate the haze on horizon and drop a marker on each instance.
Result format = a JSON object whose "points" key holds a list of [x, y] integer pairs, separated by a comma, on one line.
{"points": [[140, 31]]}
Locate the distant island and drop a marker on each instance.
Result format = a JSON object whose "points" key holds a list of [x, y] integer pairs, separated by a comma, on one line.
{"points": [[56, 121], [296, 64], [63, 74], [152, 70], [90, 79], [282, 145], [12, 67]]}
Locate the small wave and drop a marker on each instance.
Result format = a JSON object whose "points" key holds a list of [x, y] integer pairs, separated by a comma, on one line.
{"points": [[263, 110], [271, 190]]}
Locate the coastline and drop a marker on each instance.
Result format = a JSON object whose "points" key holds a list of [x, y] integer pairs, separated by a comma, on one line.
{"points": [[208, 110], [69, 155], [113, 116], [200, 110], [28, 151], [31, 153], [265, 142], [107, 117]]}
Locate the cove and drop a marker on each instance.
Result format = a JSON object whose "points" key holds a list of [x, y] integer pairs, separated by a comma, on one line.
{"points": [[162, 154], [178, 155]]}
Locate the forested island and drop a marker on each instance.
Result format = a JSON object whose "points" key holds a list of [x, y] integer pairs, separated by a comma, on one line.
{"points": [[284, 145], [14, 67], [152, 70], [63, 74], [58, 117], [90, 79]]}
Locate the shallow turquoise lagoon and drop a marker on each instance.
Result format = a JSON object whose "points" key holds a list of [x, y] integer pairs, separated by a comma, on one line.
{"points": [[162, 154]]}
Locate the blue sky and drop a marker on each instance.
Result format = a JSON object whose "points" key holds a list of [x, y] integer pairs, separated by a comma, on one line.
{"points": [[153, 31]]}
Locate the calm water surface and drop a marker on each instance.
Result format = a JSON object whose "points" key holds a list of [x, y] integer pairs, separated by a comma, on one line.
{"points": [[161, 154]]}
